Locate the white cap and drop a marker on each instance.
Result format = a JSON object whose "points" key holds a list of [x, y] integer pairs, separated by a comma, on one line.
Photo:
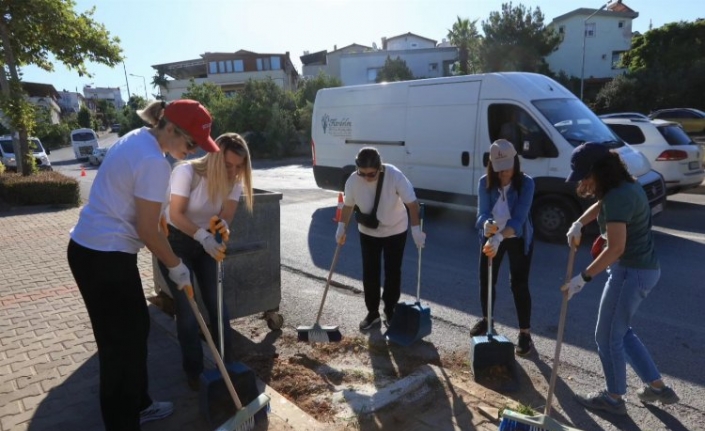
{"points": [[502, 154]]}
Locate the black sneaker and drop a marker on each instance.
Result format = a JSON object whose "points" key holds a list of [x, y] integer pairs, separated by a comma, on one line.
{"points": [[480, 328], [388, 316], [524, 344], [370, 320]]}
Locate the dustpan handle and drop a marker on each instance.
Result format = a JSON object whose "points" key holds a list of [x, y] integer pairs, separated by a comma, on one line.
{"points": [[330, 275], [559, 337], [418, 271]]}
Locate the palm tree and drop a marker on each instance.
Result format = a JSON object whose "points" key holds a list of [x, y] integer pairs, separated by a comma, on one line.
{"points": [[159, 81], [465, 37]]}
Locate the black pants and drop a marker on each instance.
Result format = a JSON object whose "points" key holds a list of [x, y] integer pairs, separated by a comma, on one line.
{"points": [[519, 266], [112, 291], [373, 249]]}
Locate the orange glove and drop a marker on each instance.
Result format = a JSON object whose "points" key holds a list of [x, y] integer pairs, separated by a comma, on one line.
{"points": [[219, 225]]}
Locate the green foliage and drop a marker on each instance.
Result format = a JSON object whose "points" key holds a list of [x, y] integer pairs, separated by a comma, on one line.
{"points": [[306, 96], [465, 37], [674, 46], [2, 168], [516, 39], [159, 80], [280, 135], [394, 70], [128, 118], [207, 93], [85, 118], [43, 188], [53, 135]]}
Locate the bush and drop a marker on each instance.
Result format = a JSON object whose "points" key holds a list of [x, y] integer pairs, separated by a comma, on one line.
{"points": [[2, 168], [43, 188]]}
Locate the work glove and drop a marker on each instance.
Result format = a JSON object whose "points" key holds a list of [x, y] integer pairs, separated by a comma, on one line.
{"points": [[419, 236], [215, 249], [340, 233], [489, 228], [574, 233], [492, 245], [180, 275], [574, 286], [219, 225]]}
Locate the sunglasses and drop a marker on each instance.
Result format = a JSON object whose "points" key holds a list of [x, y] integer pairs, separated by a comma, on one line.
{"points": [[368, 174], [190, 145]]}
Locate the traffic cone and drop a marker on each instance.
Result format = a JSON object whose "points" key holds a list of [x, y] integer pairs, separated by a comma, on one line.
{"points": [[339, 210], [83, 171]]}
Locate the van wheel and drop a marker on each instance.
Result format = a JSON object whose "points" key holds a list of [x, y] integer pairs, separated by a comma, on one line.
{"points": [[552, 216]]}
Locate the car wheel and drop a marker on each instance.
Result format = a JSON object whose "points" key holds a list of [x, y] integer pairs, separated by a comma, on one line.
{"points": [[552, 216]]}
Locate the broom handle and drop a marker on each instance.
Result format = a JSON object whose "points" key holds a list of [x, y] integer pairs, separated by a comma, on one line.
{"points": [[214, 350], [330, 275], [559, 337], [221, 338], [418, 272]]}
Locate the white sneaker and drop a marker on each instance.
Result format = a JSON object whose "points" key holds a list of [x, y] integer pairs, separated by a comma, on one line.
{"points": [[158, 410]]}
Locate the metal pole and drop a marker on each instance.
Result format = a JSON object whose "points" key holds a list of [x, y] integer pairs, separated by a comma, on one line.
{"points": [[144, 82], [582, 67], [126, 82]]}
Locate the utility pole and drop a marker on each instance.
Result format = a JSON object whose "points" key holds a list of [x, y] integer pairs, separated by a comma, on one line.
{"points": [[126, 82], [144, 82], [582, 71]]}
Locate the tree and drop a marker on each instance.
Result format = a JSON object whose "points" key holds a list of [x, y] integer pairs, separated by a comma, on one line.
{"points": [[674, 46], [31, 31], [306, 95], [394, 70], [465, 37], [85, 118], [207, 93], [159, 81], [517, 39]]}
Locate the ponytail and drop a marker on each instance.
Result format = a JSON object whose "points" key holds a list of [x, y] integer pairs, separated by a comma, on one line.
{"points": [[153, 114]]}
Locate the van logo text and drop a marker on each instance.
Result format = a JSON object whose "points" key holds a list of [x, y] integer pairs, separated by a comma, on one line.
{"points": [[336, 127]]}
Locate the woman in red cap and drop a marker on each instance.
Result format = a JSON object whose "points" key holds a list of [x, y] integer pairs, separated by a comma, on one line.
{"points": [[121, 217]]}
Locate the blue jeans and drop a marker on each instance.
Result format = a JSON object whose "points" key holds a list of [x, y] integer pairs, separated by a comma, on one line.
{"points": [[617, 343], [204, 268]]}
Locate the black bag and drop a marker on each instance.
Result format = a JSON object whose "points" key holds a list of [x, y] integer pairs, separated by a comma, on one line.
{"points": [[370, 220]]}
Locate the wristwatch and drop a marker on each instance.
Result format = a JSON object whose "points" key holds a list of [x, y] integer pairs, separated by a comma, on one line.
{"points": [[586, 278]]}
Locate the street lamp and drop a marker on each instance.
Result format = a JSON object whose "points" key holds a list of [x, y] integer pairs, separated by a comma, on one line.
{"points": [[582, 71], [145, 85]]}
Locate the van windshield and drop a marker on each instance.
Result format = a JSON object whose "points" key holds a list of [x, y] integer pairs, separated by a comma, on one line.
{"points": [[576, 122], [83, 136], [8, 149]]}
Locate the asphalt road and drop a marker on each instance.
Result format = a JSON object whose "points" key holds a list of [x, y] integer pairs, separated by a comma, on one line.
{"points": [[669, 321]]}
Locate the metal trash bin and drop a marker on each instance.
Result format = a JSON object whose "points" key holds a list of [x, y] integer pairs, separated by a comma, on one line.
{"points": [[252, 271]]}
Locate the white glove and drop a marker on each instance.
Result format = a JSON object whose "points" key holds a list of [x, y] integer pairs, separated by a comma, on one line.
{"points": [[574, 286], [419, 236], [340, 233], [492, 245], [180, 275], [489, 228], [574, 233], [210, 245]]}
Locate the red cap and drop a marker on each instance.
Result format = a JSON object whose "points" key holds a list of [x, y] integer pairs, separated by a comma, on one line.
{"points": [[194, 119]]}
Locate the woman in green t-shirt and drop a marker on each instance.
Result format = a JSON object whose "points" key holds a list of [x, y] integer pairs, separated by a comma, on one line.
{"points": [[623, 214]]}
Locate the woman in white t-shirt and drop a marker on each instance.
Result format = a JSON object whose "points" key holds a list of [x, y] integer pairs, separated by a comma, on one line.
{"points": [[121, 217], [203, 191], [504, 197], [386, 240]]}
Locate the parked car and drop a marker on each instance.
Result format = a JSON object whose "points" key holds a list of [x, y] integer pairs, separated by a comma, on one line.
{"points": [[7, 154], [692, 120], [625, 115], [98, 155], [115, 127], [669, 149]]}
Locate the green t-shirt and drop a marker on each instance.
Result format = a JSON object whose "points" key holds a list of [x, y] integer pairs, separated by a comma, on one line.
{"points": [[628, 203]]}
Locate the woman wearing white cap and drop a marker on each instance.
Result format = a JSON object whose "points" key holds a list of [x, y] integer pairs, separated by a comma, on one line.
{"points": [[121, 217], [505, 195]]}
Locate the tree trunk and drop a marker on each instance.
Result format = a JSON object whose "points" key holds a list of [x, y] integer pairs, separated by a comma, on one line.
{"points": [[464, 61]]}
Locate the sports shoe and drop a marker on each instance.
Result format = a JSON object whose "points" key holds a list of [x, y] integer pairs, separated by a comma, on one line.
{"points": [[370, 320], [524, 344], [602, 401], [665, 395], [388, 316], [480, 328], [158, 410]]}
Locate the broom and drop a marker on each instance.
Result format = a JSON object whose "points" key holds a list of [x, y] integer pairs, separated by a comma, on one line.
{"points": [[513, 421], [318, 333], [244, 419]]}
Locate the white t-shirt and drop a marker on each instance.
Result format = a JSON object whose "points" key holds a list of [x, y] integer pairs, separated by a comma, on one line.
{"points": [[134, 167], [391, 212], [200, 209], [500, 212]]}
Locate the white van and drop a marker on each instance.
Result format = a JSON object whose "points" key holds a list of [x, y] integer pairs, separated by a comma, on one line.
{"points": [[7, 154], [84, 142], [438, 132]]}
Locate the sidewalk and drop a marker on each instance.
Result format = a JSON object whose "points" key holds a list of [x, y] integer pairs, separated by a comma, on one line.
{"points": [[48, 361]]}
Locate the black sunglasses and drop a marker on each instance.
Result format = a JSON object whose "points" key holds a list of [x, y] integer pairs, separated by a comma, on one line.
{"points": [[190, 145], [368, 174]]}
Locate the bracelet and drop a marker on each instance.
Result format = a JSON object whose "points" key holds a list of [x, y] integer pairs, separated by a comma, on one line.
{"points": [[586, 278]]}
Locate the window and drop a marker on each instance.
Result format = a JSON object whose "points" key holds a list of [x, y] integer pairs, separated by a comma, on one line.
{"points": [[372, 75], [276, 63], [263, 64], [432, 67], [590, 28], [617, 59], [561, 29], [513, 123], [229, 66], [239, 65], [621, 24], [213, 67], [630, 134]]}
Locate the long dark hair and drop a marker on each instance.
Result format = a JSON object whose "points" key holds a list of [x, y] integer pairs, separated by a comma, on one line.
{"points": [[493, 177], [607, 173]]}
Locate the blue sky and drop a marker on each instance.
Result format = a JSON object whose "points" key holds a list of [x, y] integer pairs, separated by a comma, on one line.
{"points": [[161, 31]]}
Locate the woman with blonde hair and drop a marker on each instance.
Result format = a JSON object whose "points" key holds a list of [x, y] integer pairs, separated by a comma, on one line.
{"points": [[121, 217], [205, 191]]}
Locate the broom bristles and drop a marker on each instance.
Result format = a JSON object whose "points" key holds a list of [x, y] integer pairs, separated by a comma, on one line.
{"points": [[513, 421], [319, 334], [244, 419]]}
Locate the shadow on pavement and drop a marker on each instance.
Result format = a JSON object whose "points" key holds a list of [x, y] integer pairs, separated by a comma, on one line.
{"points": [[671, 422]]}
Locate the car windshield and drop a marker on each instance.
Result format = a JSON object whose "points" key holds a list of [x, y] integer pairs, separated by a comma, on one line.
{"points": [[675, 135], [576, 122], [83, 136], [8, 149]]}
